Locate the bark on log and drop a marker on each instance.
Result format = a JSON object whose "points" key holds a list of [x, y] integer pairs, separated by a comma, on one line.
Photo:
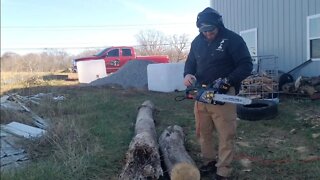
{"points": [[179, 164], [143, 158]]}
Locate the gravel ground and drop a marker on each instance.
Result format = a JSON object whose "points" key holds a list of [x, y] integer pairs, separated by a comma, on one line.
{"points": [[132, 75]]}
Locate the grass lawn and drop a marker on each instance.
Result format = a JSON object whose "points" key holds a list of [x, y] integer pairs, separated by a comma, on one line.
{"points": [[92, 128]]}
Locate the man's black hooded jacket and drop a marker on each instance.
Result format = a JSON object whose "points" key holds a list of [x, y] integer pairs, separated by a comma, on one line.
{"points": [[227, 56]]}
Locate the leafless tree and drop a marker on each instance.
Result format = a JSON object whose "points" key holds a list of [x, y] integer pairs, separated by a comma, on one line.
{"points": [[56, 60], [30, 63], [89, 52], [179, 47], [151, 42], [49, 61], [7, 63]]}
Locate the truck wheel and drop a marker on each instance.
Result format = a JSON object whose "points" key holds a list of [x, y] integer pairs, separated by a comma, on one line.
{"points": [[258, 110]]}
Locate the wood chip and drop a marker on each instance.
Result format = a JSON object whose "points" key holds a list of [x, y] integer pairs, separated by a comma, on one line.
{"points": [[243, 144], [293, 131], [246, 163], [316, 135], [301, 149]]}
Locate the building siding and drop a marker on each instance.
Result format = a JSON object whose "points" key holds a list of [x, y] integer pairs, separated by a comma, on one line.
{"points": [[281, 26]]}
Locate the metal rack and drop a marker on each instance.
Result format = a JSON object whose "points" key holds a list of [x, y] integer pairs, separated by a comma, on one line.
{"points": [[263, 83]]}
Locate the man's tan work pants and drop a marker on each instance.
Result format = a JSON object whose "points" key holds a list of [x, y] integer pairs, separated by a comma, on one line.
{"points": [[222, 119]]}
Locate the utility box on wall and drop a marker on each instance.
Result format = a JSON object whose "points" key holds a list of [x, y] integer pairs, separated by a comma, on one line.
{"points": [[167, 77], [89, 71]]}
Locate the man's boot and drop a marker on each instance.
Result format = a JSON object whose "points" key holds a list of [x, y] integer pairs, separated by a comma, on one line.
{"points": [[208, 168]]}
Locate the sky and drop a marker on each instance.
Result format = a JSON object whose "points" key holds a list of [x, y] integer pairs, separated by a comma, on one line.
{"points": [[33, 25]]}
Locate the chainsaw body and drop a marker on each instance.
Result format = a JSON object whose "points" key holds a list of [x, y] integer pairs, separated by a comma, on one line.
{"points": [[210, 95]]}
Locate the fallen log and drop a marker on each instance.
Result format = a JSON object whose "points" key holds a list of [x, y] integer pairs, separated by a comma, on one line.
{"points": [[179, 164], [143, 158]]}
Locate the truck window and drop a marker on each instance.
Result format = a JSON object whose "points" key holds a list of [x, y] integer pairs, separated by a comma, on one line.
{"points": [[113, 53], [103, 52], [126, 52]]}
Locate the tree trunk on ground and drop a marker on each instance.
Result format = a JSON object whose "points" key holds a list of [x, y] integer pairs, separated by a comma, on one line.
{"points": [[143, 158], [179, 164]]}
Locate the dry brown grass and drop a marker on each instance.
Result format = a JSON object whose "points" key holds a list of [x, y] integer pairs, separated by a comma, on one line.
{"points": [[11, 81]]}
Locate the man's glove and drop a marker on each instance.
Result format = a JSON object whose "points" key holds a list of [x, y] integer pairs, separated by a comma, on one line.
{"points": [[221, 85]]}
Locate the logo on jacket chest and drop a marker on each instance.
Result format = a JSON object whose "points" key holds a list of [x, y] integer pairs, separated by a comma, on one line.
{"points": [[220, 47]]}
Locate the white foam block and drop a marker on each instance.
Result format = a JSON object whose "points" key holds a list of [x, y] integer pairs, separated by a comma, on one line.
{"points": [[166, 77], [23, 130], [92, 70]]}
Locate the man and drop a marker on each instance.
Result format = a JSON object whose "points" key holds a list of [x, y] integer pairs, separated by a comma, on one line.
{"points": [[219, 56]]}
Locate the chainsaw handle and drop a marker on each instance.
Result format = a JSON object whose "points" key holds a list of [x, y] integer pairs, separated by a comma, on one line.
{"points": [[187, 92]]}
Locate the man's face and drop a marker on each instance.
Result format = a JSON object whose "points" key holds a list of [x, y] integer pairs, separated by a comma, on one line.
{"points": [[211, 35]]}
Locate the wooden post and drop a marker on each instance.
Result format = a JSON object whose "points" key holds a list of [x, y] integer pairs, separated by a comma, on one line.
{"points": [[179, 164], [143, 158]]}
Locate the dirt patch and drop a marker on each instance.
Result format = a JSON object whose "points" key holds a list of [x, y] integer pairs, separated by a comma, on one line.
{"points": [[271, 138], [309, 116], [262, 161]]}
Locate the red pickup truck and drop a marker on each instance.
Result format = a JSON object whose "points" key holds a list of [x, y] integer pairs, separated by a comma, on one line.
{"points": [[116, 56]]}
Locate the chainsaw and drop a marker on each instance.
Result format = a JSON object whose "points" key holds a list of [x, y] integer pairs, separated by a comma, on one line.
{"points": [[210, 95]]}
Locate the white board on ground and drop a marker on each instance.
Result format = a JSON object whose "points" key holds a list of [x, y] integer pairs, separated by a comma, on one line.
{"points": [[166, 77], [92, 70], [23, 130]]}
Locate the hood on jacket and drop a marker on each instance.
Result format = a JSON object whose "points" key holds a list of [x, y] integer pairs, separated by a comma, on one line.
{"points": [[208, 19]]}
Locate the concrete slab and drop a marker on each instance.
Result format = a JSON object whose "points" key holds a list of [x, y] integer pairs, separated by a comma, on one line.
{"points": [[2, 153], [14, 165], [11, 155], [4, 98], [23, 130], [11, 159], [3, 134], [7, 149]]}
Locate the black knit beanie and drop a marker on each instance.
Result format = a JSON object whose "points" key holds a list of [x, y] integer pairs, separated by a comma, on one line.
{"points": [[209, 16]]}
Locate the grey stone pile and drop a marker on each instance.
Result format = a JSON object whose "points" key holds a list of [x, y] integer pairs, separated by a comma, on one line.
{"points": [[132, 75]]}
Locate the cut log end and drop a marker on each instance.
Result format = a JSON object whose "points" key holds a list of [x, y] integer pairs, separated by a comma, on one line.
{"points": [[185, 171], [147, 104]]}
